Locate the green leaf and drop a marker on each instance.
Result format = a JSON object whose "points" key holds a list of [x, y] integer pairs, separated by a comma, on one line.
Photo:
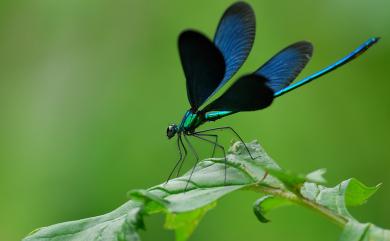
{"points": [[267, 203], [185, 223], [355, 231], [120, 224], [337, 199], [348, 193], [316, 176], [186, 202], [294, 181], [357, 193], [184, 207]]}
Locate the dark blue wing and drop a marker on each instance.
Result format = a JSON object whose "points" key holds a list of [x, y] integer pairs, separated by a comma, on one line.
{"points": [[234, 37], [203, 66], [285, 66], [248, 93]]}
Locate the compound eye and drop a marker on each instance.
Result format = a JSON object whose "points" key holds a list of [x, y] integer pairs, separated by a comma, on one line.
{"points": [[171, 131]]}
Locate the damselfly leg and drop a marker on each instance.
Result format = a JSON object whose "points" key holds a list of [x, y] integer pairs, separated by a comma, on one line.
{"points": [[196, 156], [211, 136], [216, 144], [184, 156], [181, 159], [236, 134], [232, 130]]}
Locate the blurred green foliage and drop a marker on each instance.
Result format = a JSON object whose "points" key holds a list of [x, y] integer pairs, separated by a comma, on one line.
{"points": [[87, 89]]}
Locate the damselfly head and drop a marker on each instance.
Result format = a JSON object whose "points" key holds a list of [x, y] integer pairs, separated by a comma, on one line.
{"points": [[171, 130]]}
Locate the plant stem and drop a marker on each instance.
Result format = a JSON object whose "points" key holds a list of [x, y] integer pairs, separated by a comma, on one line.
{"points": [[292, 197]]}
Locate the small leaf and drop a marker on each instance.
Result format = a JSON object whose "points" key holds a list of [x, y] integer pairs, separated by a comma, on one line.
{"points": [[316, 176], [293, 181], [152, 203], [357, 193], [185, 223], [348, 193], [266, 203]]}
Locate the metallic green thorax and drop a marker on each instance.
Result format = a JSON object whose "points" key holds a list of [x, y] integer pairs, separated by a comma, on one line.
{"points": [[191, 120]]}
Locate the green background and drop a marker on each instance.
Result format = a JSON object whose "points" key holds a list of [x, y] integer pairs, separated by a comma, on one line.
{"points": [[87, 89]]}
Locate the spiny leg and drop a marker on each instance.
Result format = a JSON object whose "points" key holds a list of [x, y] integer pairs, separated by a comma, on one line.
{"points": [[184, 156], [179, 161], [235, 133], [215, 144], [215, 141], [197, 160]]}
